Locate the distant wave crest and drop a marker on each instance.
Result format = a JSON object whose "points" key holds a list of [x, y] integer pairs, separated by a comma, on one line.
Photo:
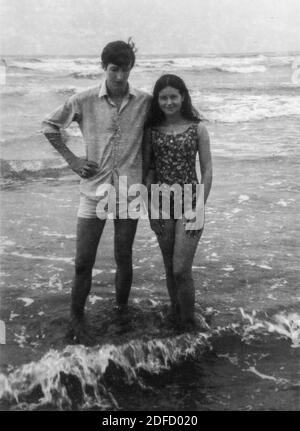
{"points": [[243, 69], [86, 75], [89, 67]]}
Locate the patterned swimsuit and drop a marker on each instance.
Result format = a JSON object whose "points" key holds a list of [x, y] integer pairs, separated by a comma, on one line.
{"points": [[175, 163]]}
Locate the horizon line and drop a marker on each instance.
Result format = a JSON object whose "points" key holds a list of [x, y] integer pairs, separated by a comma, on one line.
{"points": [[289, 52]]}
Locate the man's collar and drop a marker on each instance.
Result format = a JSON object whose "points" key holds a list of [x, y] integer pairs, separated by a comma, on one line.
{"points": [[103, 90]]}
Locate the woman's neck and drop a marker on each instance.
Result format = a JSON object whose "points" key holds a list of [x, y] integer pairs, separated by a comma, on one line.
{"points": [[172, 120]]}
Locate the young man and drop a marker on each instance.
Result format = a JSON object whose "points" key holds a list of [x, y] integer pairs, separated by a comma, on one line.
{"points": [[111, 118]]}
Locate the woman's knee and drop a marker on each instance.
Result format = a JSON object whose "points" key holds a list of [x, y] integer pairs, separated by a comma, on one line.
{"points": [[182, 275]]}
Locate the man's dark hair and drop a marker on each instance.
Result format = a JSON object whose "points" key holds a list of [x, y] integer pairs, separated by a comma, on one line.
{"points": [[120, 53]]}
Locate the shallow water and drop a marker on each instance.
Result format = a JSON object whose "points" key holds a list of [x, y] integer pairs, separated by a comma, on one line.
{"points": [[246, 268], [250, 365]]}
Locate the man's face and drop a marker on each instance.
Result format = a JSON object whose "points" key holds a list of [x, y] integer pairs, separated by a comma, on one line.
{"points": [[117, 77]]}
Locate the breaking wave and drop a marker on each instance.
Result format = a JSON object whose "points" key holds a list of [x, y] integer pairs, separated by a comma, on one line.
{"points": [[90, 67], [83, 378], [230, 108], [243, 69], [22, 169], [77, 377]]}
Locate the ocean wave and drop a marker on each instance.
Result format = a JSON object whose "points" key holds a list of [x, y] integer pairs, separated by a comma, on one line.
{"points": [[236, 108], [9, 90], [286, 325], [51, 381], [235, 64], [87, 60], [85, 378], [23, 169], [64, 66], [13, 90], [86, 75], [89, 67], [243, 69]]}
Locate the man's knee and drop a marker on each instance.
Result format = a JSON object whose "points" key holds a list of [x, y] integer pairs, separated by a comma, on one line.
{"points": [[123, 256], [83, 265], [168, 263]]}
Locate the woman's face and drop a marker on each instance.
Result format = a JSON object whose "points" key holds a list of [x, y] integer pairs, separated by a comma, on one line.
{"points": [[170, 101]]}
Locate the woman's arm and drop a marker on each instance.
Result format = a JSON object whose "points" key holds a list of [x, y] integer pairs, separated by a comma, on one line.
{"points": [[205, 159], [148, 160]]}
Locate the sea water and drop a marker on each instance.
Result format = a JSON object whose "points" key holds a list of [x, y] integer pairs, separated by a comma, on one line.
{"points": [[251, 107]]}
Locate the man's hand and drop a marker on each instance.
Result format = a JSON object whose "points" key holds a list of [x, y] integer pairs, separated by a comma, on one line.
{"points": [[84, 168]]}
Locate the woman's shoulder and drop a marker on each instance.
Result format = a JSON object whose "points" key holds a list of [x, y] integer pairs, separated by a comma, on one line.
{"points": [[201, 129]]}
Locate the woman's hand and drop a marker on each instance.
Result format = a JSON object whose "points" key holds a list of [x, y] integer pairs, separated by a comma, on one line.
{"points": [[84, 168], [150, 179]]}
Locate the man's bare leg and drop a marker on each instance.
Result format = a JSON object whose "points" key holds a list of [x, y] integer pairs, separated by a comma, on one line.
{"points": [[124, 236], [89, 232]]}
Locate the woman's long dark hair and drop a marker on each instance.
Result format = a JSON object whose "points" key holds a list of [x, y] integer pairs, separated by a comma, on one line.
{"points": [[156, 116]]}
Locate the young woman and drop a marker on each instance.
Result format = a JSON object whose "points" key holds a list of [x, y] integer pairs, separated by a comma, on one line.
{"points": [[174, 135]]}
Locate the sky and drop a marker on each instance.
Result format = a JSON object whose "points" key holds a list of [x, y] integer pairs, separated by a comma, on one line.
{"points": [[73, 27]]}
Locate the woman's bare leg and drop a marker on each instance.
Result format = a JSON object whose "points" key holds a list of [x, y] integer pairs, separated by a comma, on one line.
{"points": [[166, 237], [184, 251]]}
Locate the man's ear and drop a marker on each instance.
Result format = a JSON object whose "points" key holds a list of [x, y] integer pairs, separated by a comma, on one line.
{"points": [[104, 67]]}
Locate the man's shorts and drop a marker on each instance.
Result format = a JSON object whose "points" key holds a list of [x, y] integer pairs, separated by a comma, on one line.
{"points": [[87, 207]]}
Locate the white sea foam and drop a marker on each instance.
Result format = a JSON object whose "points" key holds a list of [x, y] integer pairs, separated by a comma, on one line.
{"points": [[88, 366], [33, 89], [89, 66], [242, 107], [55, 282], [282, 203], [96, 272], [31, 256], [57, 65], [245, 69], [35, 165], [265, 376], [284, 324], [57, 235], [95, 298], [246, 64], [228, 268], [264, 266], [243, 198], [27, 301]]}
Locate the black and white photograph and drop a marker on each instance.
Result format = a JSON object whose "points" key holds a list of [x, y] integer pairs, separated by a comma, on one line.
{"points": [[149, 255]]}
